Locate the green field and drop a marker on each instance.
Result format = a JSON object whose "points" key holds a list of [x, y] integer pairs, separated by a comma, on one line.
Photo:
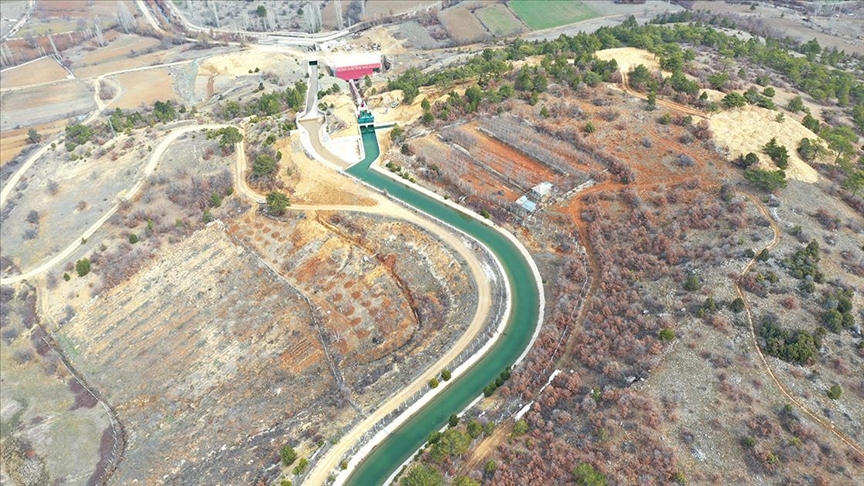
{"points": [[499, 20], [543, 14]]}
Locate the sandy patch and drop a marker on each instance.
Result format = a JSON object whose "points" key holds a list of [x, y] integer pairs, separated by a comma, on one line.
{"points": [[42, 71], [146, 88], [239, 63], [317, 183], [748, 129], [630, 57], [347, 148]]}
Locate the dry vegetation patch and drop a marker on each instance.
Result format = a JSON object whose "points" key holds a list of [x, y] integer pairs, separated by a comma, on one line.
{"points": [[748, 129], [52, 428]]}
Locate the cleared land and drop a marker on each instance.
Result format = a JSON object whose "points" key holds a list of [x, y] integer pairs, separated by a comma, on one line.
{"points": [[462, 25], [145, 88], [42, 71], [500, 20], [43, 104], [544, 14]]}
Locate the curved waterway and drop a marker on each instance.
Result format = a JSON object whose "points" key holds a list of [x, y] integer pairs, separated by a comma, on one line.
{"points": [[380, 464]]}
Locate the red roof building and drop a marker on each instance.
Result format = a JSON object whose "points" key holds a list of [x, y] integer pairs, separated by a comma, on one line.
{"points": [[355, 66]]}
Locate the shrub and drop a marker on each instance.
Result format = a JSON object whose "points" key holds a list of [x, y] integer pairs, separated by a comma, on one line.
{"points": [[66, 277], [692, 284], [803, 264], [737, 305], [433, 383], [778, 153], [445, 375], [766, 180], [301, 466], [666, 334], [734, 100], [748, 160], [834, 392], [453, 421], [520, 428], [133, 238], [277, 203], [264, 165], [82, 267], [796, 104], [585, 475], [288, 455], [796, 346]]}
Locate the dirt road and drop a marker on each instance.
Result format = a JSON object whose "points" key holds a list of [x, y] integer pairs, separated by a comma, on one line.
{"points": [[784, 390], [148, 169]]}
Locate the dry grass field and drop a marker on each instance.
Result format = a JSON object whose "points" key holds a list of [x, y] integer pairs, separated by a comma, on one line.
{"points": [[145, 88], [42, 71]]}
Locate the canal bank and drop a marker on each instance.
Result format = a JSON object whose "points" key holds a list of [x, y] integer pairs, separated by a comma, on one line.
{"points": [[526, 307]]}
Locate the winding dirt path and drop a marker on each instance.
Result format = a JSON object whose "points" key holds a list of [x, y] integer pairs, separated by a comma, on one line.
{"points": [[784, 390], [128, 195]]}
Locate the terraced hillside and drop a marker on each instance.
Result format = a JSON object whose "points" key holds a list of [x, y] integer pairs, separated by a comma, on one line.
{"points": [[202, 355]]}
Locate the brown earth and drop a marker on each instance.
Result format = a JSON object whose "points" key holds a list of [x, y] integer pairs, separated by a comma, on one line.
{"points": [[145, 88], [462, 25]]}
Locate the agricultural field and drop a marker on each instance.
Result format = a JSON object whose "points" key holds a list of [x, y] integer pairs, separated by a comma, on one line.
{"points": [[138, 89], [544, 14], [71, 15], [462, 25], [44, 104], [499, 20], [13, 141], [44, 70]]}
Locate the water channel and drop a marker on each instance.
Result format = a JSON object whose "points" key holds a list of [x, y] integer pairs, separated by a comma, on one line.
{"points": [[525, 308]]}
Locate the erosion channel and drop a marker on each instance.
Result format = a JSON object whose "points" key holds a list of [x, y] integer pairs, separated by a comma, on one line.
{"points": [[522, 322]]}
